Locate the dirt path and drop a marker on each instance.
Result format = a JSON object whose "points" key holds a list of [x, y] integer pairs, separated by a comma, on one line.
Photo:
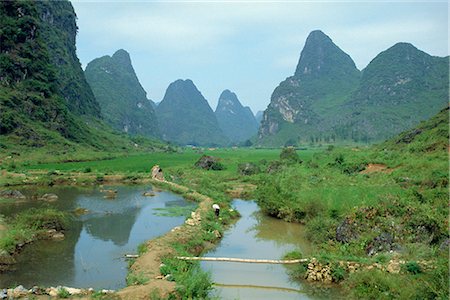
{"points": [[149, 263]]}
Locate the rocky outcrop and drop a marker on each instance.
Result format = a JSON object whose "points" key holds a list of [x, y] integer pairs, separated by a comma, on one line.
{"points": [[14, 194], [157, 173], [207, 162], [381, 243], [346, 231]]}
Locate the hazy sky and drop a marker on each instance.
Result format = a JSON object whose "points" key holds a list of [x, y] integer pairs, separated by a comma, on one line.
{"points": [[248, 47]]}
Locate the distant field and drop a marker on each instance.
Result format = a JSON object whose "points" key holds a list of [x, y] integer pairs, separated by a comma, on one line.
{"points": [[144, 162]]}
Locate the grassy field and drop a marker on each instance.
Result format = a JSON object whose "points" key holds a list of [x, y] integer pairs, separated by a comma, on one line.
{"points": [[142, 163]]}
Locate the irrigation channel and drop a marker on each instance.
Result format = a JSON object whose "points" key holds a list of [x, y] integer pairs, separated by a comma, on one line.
{"points": [[256, 236], [92, 253]]}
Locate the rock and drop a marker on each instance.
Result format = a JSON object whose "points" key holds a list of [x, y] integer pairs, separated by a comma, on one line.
{"points": [[4, 294], [35, 290], [52, 291], [248, 169], [157, 173], [73, 291], [107, 291], [159, 277], [148, 194], [393, 267], [346, 231], [217, 234], [175, 228], [49, 197], [12, 194], [80, 211], [207, 162], [58, 236], [190, 222], [383, 242], [19, 291]]}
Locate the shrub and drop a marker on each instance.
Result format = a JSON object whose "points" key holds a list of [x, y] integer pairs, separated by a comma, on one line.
{"points": [[63, 293], [320, 229], [412, 267], [248, 169], [289, 154]]}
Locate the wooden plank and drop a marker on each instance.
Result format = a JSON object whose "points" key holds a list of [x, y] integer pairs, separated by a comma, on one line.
{"points": [[246, 260]]}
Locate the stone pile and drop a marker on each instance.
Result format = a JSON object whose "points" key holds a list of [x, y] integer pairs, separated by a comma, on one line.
{"points": [[21, 292], [318, 272], [194, 220]]}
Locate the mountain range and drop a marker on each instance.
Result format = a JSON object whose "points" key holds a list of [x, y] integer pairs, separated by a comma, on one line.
{"points": [[45, 98], [329, 99]]}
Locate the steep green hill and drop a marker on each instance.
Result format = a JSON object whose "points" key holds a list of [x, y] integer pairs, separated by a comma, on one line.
{"points": [[236, 121], [399, 88], [122, 99], [185, 116], [59, 29], [328, 99], [29, 90], [301, 106], [45, 106]]}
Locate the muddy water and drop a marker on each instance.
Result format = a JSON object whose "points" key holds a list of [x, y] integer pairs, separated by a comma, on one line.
{"points": [[92, 253], [256, 236]]}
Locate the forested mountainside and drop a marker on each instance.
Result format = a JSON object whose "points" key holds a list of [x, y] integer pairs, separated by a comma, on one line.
{"points": [[329, 99], [122, 99]]}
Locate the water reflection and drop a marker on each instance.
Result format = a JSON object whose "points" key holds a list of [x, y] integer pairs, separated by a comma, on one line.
{"points": [[259, 237], [92, 253]]}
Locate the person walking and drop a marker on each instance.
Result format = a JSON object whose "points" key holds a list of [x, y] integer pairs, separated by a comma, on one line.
{"points": [[216, 208]]}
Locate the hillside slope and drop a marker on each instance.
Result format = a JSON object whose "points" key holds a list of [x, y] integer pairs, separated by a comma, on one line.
{"points": [[122, 99], [236, 121], [186, 118]]}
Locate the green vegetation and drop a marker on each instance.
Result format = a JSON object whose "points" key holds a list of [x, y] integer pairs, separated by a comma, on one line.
{"points": [[380, 205], [136, 279], [63, 293], [122, 99], [30, 225]]}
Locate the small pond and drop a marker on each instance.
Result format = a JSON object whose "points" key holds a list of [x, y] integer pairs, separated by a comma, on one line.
{"points": [[256, 236], [92, 253]]}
